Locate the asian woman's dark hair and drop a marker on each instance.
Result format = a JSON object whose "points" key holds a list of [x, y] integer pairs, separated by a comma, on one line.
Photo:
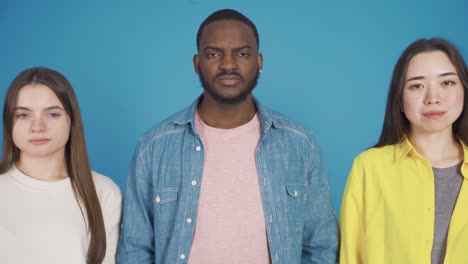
{"points": [[76, 156], [396, 126]]}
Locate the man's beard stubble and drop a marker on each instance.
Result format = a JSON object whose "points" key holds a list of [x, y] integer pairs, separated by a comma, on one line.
{"points": [[228, 100]]}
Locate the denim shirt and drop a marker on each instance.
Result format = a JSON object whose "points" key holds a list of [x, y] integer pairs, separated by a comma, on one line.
{"points": [[163, 189]]}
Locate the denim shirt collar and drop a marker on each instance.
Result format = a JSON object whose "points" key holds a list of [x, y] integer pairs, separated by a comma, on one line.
{"points": [[187, 116]]}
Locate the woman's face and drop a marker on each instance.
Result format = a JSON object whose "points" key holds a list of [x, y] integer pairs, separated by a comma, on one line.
{"points": [[41, 127], [432, 94]]}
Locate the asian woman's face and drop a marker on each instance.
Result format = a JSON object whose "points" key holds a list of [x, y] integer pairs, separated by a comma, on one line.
{"points": [[433, 94], [41, 127]]}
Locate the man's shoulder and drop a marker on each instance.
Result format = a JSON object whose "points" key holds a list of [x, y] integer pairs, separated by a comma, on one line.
{"points": [[289, 125], [282, 121], [172, 125]]}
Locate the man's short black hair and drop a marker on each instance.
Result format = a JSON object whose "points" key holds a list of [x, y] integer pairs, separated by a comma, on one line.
{"points": [[227, 14]]}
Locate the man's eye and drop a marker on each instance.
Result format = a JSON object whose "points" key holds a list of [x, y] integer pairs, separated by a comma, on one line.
{"points": [[243, 54], [213, 55]]}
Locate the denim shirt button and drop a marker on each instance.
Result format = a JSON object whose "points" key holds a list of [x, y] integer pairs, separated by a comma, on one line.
{"points": [[189, 220], [158, 199], [197, 148], [182, 256], [194, 182]]}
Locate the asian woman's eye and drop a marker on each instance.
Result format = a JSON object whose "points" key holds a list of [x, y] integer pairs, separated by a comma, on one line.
{"points": [[416, 86], [448, 83]]}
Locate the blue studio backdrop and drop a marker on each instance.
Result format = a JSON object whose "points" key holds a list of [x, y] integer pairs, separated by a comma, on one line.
{"points": [[327, 64]]}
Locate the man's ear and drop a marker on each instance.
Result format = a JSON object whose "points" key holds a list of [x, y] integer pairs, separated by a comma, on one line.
{"points": [[260, 61], [196, 63]]}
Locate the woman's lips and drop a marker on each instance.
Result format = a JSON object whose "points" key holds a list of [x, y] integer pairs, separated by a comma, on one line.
{"points": [[434, 114], [39, 141]]}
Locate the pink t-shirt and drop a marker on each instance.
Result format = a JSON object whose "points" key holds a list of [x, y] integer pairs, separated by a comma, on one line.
{"points": [[230, 226]]}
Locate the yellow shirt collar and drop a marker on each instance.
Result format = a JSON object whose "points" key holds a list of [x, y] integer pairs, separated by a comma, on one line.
{"points": [[404, 148]]}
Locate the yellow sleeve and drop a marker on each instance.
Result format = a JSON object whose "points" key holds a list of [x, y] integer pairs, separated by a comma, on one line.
{"points": [[352, 218]]}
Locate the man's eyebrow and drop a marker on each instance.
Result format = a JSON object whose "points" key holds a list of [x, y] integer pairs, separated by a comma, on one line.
{"points": [[212, 48], [248, 46], [244, 47]]}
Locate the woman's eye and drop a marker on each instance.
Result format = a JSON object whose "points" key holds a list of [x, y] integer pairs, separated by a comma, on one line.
{"points": [[54, 115], [448, 83], [416, 86], [22, 116]]}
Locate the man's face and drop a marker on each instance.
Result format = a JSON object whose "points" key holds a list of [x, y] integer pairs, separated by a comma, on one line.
{"points": [[228, 61]]}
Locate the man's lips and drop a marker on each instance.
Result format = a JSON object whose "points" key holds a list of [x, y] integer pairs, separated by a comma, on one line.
{"points": [[39, 141], [229, 79], [434, 114]]}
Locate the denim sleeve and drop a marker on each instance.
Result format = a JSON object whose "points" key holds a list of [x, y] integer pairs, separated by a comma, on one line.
{"points": [[136, 243], [320, 240]]}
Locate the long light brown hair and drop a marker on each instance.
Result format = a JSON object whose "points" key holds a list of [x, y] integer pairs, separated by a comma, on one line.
{"points": [[396, 126], [76, 156]]}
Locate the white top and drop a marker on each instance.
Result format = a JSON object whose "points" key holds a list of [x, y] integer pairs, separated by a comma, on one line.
{"points": [[41, 222]]}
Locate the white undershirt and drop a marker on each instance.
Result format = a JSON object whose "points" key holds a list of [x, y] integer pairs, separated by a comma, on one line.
{"points": [[41, 221]]}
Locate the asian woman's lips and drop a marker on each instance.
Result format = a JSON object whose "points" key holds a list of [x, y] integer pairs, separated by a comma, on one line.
{"points": [[434, 114], [39, 141]]}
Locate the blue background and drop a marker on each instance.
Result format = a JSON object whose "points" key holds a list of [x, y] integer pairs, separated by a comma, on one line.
{"points": [[327, 64]]}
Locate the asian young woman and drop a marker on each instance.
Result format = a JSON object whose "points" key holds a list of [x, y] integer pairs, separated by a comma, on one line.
{"points": [[406, 199]]}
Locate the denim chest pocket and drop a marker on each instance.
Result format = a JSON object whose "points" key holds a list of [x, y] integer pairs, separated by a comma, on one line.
{"points": [[165, 203], [295, 199]]}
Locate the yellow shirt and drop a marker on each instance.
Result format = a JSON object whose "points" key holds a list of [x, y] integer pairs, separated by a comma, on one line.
{"points": [[388, 209]]}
